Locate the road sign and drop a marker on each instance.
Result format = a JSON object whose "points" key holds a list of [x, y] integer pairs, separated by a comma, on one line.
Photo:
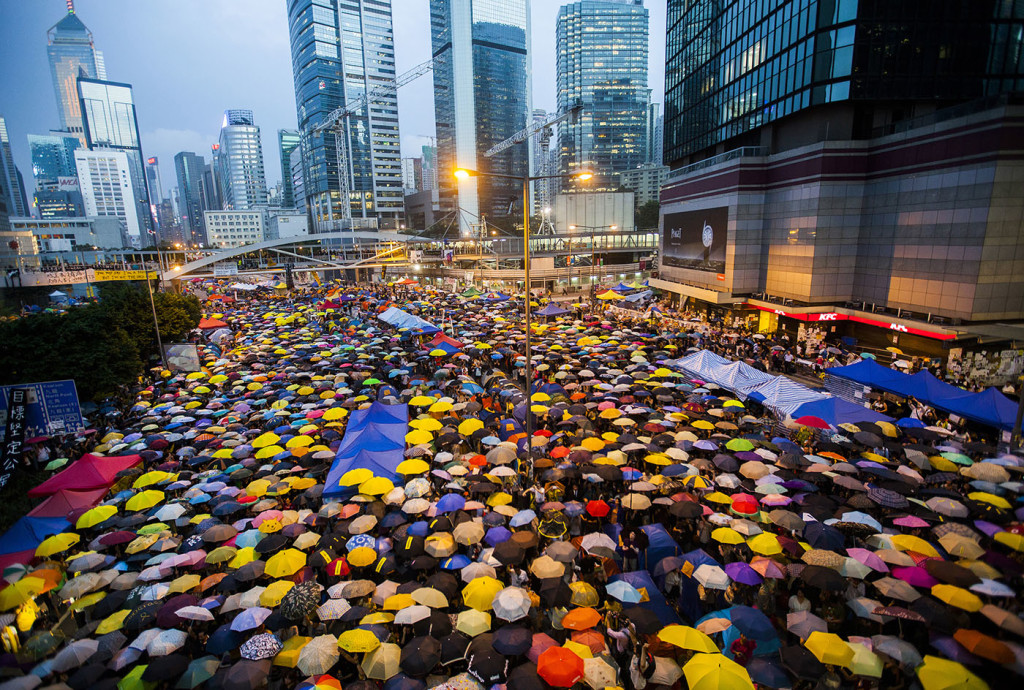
{"points": [[52, 408]]}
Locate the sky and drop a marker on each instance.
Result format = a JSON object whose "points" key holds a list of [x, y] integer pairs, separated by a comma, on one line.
{"points": [[189, 60]]}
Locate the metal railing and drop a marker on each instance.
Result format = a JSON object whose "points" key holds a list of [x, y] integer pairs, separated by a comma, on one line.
{"points": [[742, 152]]}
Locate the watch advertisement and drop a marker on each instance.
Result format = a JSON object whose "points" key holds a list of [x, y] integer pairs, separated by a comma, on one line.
{"points": [[695, 239]]}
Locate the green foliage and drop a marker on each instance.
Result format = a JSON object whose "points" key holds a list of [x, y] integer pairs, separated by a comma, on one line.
{"points": [[647, 215], [101, 346], [16, 501]]}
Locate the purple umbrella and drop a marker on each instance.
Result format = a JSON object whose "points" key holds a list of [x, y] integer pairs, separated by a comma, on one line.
{"points": [[868, 558], [916, 576], [742, 573]]}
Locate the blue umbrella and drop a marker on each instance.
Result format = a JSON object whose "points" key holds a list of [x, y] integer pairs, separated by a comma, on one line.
{"points": [[449, 503], [456, 562], [223, 640], [361, 540], [497, 535], [523, 518], [624, 592], [910, 423]]}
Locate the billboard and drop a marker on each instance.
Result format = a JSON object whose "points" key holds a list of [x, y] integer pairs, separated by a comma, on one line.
{"points": [[67, 184], [51, 408], [181, 357], [696, 239]]}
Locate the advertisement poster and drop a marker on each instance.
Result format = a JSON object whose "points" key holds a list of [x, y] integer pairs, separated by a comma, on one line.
{"points": [[696, 239]]}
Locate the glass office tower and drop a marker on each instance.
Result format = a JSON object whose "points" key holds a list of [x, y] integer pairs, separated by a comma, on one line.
{"points": [[188, 168], [481, 97], [71, 52], [602, 65], [287, 141], [243, 181], [341, 50], [109, 121], [734, 67]]}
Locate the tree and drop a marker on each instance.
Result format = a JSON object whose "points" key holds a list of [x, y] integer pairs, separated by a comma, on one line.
{"points": [[128, 303], [647, 215]]}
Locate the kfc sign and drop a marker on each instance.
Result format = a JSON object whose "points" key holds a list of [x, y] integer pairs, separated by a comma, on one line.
{"points": [[828, 317], [898, 327]]}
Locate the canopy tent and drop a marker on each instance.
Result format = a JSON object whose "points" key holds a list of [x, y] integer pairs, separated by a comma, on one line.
{"points": [[660, 544], [88, 472], [471, 291], [837, 411], [492, 297], [640, 296], [739, 377], [551, 310], [610, 295], [641, 580], [205, 324], [622, 287], [65, 501], [28, 532], [785, 395], [988, 407], [445, 344], [374, 440], [399, 318]]}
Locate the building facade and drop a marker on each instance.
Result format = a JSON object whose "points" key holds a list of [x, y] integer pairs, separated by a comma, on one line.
{"points": [[13, 184], [57, 203], [645, 182], [110, 124], [412, 175], [71, 52], [288, 140], [234, 228], [106, 182], [285, 223], [243, 180], [655, 128], [341, 51], [71, 234], [191, 202], [482, 96], [601, 48], [53, 157]]}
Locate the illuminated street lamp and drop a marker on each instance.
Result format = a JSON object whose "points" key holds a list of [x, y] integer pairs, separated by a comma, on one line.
{"points": [[582, 176]]}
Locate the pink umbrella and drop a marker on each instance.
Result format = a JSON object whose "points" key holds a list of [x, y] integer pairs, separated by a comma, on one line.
{"points": [[916, 576], [911, 521], [541, 642], [767, 567], [868, 558], [606, 405], [776, 500]]}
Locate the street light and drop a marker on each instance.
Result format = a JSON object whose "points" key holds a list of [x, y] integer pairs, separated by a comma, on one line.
{"points": [[592, 228], [582, 176]]}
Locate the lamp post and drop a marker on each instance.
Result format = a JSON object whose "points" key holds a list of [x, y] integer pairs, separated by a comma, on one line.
{"points": [[582, 176], [593, 228]]}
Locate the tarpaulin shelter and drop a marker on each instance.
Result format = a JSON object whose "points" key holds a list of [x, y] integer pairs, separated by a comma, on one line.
{"points": [[640, 296], [660, 544], [374, 440], [205, 324], [641, 580], [988, 407], [739, 377], [443, 342], [837, 411], [66, 501], [551, 310], [399, 318], [88, 472], [785, 395]]}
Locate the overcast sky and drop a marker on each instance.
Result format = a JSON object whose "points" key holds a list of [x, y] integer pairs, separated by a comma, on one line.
{"points": [[189, 60]]}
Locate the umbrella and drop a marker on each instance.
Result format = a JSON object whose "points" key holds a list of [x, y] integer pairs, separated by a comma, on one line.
{"points": [[716, 672], [560, 667], [319, 655]]}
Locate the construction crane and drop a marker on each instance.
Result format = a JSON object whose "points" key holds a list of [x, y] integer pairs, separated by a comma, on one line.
{"points": [[338, 120]]}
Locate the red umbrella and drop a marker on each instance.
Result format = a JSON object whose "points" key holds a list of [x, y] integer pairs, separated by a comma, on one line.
{"points": [[745, 504], [810, 420], [560, 667], [598, 508]]}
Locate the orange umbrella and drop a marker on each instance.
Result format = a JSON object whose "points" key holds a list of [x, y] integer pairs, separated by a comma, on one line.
{"points": [[590, 638], [560, 667], [984, 646], [581, 619], [211, 580]]}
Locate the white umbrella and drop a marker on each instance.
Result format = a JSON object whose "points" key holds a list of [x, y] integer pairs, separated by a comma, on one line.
{"points": [[712, 577], [319, 655], [167, 642], [511, 604], [194, 613], [599, 673], [412, 614]]}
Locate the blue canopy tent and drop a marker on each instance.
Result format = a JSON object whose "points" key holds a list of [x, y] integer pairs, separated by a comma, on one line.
{"points": [[551, 310], [750, 622], [393, 316], [29, 532], [641, 580], [660, 544], [837, 411], [990, 407], [689, 600], [640, 296], [622, 287], [784, 395], [492, 297], [375, 440]]}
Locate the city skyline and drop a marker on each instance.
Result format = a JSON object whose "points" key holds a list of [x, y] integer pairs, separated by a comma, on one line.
{"points": [[180, 113]]}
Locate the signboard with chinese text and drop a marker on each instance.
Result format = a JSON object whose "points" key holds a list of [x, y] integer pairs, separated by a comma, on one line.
{"points": [[51, 408]]}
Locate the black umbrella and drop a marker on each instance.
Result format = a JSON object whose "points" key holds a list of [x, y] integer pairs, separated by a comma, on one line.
{"points": [[453, 647], [686, 509], [420, 656], [525, 677], [488, 666], [513, 640], [301, 600], [823, 578], [142, 616], [509, 552], [802, 663], [645, 620]]}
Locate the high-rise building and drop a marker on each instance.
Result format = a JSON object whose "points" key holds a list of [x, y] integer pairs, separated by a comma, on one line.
{"points": [[341, 50], [53, 157], [655, 122], [108, 189], [188, 167], [213, 196], [298, 184], [412, 175], [429, 167], [481, 97], [243, 181], [13, 184], [109, 121], [72, 54], [601, 47], [59, 203], [156, 190], [850, 158], [287, 141]]}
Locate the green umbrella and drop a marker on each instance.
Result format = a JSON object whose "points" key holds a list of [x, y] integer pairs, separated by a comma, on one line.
{"points": [[371, 382], [739, 444], [958, 458], [867, 355], [40, 645], [56, 464], [198, 672], [133, 681]]}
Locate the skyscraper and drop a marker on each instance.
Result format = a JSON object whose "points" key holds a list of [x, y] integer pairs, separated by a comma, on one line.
{"points": [[13, 184], [156, 191], [188, 167], [53, 157], [481, 97], [287, 141], [601, 47], [108, 118], [655, 122], [108, 189], [341, 50], [243, 180], [72, 53]]}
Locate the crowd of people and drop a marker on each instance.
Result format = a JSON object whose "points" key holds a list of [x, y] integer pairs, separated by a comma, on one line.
{"points": [[333, 502]]}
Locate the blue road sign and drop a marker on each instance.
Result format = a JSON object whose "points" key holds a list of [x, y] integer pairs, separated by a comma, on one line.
{"points": [[52, 408]]}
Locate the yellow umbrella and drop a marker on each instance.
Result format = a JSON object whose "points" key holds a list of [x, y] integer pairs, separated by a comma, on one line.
{"points": [[221, 554], [413, 466], [273, 594], [580, 650], [716, 672], [114, 621], [418, 436], [991, 499], [958, 597], [144, 500], [334, 414], [467, 427], [95, 516], [358, 640], [685, 637], [428, 424], [584, 594], [362, 556], [356, 477], [246, 555], [695, 481], [479, 593], [140, 544], [25, 589], [397, 602], [377, 486], [268, 452], [184, 584], [937, 673], [908, 542], [717, 497], [1012, 539], [765, 544], [288, 657], [540, 397], [441, 407], [592, 444], [499, 498], [377, 618], [265, 440], [285, 563], [258, 488], [727, 535], [299, 442], [154, 477], [829, 648], [57, 543], [702, 424], [422, 400]]}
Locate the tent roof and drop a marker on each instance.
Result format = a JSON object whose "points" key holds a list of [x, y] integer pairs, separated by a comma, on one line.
{"points": [[88, 472]]}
